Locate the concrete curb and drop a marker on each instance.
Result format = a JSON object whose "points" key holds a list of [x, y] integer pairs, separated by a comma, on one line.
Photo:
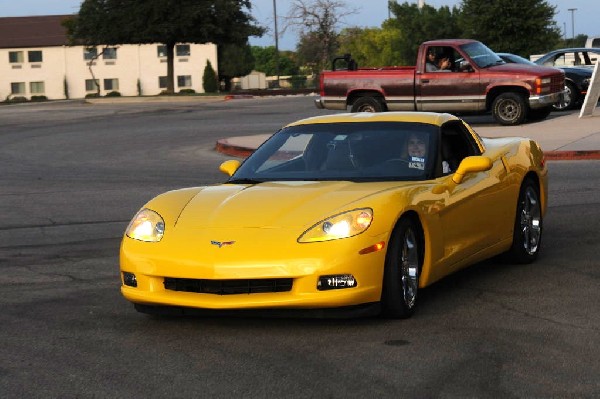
{"points": [[225, 146]]}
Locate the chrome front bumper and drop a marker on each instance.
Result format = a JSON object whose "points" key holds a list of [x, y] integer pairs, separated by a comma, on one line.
{"points": [[319, 103], [544, 101]]}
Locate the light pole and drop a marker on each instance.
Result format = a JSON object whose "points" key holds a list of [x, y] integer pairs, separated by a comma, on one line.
{"points": [[572, 22], [276, 43]]}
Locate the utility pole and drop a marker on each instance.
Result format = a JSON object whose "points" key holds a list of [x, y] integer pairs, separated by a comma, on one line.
{"points": [[572, 22], [276, 43]]}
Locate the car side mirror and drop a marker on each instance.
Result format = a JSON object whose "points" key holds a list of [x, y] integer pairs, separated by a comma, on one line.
{"points": [[229, 167], [471, 165]]}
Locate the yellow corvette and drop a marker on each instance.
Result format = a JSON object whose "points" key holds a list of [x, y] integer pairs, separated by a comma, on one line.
{"points": [[348, 213]]}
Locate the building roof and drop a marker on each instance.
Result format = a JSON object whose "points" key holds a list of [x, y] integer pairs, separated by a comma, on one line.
{"points": [[39, 31]]}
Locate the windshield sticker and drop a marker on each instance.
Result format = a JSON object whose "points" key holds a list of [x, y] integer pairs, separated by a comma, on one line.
{"points": [[417, 163]]}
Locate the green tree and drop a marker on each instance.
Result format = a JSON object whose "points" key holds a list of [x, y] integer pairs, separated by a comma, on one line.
{"points": [[234, 61], [372, 47], [417, 25], [113, 22], [578, 41], [209, 79], [318, 23], [265, 58], [522, 27]]}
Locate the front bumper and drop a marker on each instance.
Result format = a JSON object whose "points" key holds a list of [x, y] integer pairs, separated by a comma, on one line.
{"points": [[319, 103], [536, 102], [303, 263]]}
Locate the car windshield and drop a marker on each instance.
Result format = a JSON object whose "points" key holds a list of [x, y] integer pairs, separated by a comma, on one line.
{"points": [[481, 55], [365, 151]]}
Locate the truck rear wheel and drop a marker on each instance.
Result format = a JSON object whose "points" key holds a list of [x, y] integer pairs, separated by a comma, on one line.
{"points": [[509, 109], [368, 104]]}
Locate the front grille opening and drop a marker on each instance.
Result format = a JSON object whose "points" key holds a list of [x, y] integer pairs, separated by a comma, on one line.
{"points": [[228, 287]]}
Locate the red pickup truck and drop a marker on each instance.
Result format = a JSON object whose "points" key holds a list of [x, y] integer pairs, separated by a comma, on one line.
{"points": [[476, 81]]}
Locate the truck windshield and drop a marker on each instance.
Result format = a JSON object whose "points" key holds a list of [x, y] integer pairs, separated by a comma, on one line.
{"points": [[481, 55]]}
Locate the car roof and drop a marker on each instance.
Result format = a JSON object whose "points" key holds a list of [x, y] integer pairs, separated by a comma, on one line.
{"points": [[579, 49], [431, 118]]}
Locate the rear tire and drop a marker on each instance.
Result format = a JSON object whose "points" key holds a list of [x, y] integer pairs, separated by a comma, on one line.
{"points": [[367, 104], [402, 270], [527, 233], [509, 109]]}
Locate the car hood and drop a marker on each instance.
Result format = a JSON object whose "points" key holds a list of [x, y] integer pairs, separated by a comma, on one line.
{"points": [[583, 71], [274, 204]]}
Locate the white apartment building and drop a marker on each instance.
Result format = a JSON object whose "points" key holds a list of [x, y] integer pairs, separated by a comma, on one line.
{"points": [[36, 60]]}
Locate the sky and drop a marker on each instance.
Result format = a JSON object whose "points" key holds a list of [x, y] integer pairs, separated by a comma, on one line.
{"points": [[372, 15]]}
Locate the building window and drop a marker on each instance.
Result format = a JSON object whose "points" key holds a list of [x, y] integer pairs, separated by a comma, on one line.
{"points": [[111, 84], [15, 57], [110, 53], [161, 50], [17, 88], [90, 53], [182, 50], [184, 81], [162, 82], [36, 87], [92, 85], [34, 56]]}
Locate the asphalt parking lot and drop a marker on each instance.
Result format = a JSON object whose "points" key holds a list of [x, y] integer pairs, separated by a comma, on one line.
{"points": [[73, 174]]}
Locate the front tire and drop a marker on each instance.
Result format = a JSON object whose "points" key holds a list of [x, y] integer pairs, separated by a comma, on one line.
{"points": [[402, 270], [527, 233], [367, 104], [509, 109], [569, 100]]}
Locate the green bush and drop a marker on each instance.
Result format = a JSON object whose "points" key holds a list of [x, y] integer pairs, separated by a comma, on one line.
{"points": [[113, 94], [92, 95], [17, 99], [298, 81], [187, 91], [39, 98], [209, 79]]}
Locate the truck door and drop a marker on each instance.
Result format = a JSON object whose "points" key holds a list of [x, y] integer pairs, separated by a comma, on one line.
{"points": [[455, 88]]}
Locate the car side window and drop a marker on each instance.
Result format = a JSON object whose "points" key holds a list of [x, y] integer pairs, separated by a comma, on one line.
{"points": [[456, 144]]}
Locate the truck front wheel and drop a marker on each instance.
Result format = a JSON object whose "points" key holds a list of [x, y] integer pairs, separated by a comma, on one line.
{"points": [[368, 104], [509, 109]]}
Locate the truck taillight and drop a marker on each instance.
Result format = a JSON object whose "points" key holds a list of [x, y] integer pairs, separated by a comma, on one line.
{"points": [[321, 85]]}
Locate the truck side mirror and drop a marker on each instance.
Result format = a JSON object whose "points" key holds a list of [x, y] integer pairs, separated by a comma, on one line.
{"points": [[465, 66]]}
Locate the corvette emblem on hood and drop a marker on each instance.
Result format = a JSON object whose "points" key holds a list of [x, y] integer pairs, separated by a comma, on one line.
{"points": [[221, 244]]}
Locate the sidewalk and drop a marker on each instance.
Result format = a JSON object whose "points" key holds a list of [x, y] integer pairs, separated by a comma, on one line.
{"points": [[563, 136]]}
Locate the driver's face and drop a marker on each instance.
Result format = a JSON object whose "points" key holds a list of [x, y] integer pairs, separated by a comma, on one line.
{"points": [[416, 147]]}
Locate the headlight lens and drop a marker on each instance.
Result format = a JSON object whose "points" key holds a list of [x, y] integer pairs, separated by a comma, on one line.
{"points": [[344, 225], [147, 225]]}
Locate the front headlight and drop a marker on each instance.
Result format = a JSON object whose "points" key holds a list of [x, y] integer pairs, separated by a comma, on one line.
{"points": [[147, 225], [344, 225]]}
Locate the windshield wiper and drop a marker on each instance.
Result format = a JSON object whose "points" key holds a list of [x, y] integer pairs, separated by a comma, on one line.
{"points": [[244, 181]]}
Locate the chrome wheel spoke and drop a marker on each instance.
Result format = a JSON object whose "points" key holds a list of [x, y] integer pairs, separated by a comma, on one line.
{"points": [[409, 264], [531, 222]]}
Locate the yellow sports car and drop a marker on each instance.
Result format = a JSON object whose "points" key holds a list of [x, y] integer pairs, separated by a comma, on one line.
{"points": [[346, 213]]}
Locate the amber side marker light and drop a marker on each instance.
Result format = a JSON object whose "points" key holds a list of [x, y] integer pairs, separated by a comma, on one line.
{"points": [[373, 248]]}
